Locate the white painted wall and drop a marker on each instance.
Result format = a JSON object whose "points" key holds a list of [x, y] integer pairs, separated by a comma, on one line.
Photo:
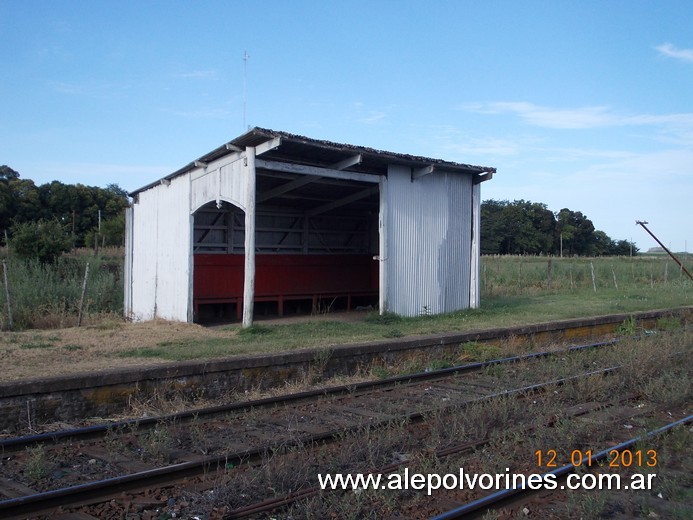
{"points": [[159, 236], [160, 252]]}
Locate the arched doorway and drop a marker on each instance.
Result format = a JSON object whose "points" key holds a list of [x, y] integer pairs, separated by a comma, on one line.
{"points": [[218, 262]]}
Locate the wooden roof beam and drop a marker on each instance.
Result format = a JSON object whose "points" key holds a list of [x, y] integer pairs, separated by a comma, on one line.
{"points": [[303, 169], [268, 146], [482, 177], [348, 162], [343, 201], [285, 188]]}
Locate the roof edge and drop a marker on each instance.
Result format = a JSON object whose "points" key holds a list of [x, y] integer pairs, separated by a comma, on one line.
{"points": [[258, 135]]}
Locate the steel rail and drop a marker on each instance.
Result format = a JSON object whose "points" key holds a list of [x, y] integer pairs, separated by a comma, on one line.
{"points": [[501, 496], [17, 443], [93, 491], [275, 503]]}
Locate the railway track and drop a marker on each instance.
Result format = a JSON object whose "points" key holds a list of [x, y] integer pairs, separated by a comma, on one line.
{"points": [[498, 499], [159, 451]]}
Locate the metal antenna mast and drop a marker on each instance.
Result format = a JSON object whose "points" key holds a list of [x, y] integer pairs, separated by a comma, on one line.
{"points": [[245, 82]]}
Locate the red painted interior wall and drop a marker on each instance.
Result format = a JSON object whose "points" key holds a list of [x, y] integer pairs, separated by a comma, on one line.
{"points": [[221, 276]]}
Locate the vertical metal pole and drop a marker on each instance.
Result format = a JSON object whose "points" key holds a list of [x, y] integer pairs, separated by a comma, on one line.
{"points": [[245, 82], [638, 222]]}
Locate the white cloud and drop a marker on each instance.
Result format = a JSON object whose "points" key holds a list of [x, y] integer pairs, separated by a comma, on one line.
{"points": [[671, 51], [577, 118], [95, 90], [370, 116], [587, 117]]}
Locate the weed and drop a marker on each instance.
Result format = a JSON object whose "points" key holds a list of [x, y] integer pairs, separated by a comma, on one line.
{"points": [[37, 463], [480, 351], [629, 327], [113, 441], [671, 388], [380, 371], [316, 371], [156, 443], [198, 438], [439, 364], [669, 323]]}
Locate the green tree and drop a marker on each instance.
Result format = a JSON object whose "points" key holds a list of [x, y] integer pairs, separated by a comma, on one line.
{"points": [[518, 227], [44, 240], [575, 231], [7, 174], [112, 232], [602, 245], [491, 226]]}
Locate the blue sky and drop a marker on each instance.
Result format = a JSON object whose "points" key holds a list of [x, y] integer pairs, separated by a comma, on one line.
{"points": [[580, 104]]}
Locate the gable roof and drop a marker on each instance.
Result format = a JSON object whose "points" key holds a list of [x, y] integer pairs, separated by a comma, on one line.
{"points": [[313, 152]]}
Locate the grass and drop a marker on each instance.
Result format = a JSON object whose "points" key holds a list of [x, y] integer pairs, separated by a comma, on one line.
{"points": [[49, 295], [494, 312], [515, 291]]}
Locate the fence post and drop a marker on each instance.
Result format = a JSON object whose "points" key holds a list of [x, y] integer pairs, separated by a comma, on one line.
{"points": [[81, 300], [10, 324], [549, 274], [594, 283]]}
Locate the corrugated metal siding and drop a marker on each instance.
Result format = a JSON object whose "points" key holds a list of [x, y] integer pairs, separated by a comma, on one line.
{"points": [[428, 239]]}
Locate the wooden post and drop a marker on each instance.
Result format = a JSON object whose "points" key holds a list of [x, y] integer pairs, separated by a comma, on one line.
{"points": [[10, 324], [549, 274], [613, 272], [81, 300], [249, 277], [594, 283]]}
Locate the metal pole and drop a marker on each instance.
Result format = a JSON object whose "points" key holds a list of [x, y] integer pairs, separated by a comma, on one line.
{"points": [[638, 222]]}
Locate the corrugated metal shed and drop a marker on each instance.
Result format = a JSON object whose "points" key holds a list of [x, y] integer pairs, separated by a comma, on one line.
{"points": [[274, 193]]}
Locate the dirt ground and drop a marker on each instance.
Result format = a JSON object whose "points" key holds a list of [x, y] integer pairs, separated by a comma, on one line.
{"points": [[99, 346]]}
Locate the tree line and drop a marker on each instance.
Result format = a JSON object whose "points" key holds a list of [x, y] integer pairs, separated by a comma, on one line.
{"points": [[522, 227], [42, 221]]}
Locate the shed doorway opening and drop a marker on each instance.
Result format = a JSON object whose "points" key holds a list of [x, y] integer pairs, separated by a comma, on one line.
{"points": [[218, 262], [316, 250]]}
